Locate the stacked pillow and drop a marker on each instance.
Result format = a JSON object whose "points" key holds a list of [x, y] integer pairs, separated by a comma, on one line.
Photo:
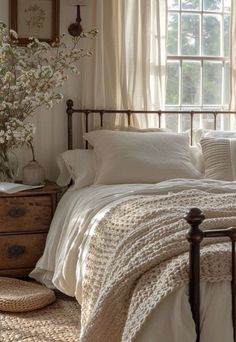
{"points": [[79, 167], [124, 157], [129, 157]]}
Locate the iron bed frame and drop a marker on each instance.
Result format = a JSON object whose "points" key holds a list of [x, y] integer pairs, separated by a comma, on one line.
{"points": [[194, 218], [195, 236]]}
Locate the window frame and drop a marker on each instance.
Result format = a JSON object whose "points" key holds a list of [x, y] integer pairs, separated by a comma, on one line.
{"points": [[200, 58]]}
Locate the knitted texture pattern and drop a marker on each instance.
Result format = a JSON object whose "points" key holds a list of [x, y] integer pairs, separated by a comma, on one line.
{"points": [[138, 256]]}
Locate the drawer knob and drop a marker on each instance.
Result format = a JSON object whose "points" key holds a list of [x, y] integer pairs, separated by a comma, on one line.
{"points": [[16, 250], [16, 212]]}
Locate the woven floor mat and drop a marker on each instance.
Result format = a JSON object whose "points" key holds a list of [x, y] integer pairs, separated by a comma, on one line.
{"points": [[59, 322]]}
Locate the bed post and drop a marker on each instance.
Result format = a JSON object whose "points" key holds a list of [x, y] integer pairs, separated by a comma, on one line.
{"points": [[70, 112], [232, 236], [194, 237]]}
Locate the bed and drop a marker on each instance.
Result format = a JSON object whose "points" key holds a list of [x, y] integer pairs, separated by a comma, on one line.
{"points": [[120, 248]]}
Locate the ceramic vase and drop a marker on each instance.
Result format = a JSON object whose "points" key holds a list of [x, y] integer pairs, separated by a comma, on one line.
{"points": [[33, 173]]}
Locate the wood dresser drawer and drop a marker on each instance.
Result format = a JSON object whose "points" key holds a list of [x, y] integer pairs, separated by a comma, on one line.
{"points": [[25, 213], [25, 218], [21, 251]]}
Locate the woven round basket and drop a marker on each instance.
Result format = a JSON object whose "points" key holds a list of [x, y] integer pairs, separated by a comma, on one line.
{"points": [[21, 296]]}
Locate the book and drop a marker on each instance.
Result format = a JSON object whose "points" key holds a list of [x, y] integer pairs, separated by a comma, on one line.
{"points": [[11, 188]]}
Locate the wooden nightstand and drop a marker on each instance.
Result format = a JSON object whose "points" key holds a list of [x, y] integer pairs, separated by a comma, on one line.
{"points": [[25, 218]]}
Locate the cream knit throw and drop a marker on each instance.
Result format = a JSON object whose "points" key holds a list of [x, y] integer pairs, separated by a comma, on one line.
{"points": [[138, 256]]}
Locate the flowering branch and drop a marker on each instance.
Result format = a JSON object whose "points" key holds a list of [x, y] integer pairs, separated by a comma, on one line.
{"points": [[29, 78]]}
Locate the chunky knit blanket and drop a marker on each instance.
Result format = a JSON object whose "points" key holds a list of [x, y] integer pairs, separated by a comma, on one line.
{"points": [[138, 256]]}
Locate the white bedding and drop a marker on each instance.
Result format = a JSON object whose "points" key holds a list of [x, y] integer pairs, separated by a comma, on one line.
{"points": [[64, 261]]}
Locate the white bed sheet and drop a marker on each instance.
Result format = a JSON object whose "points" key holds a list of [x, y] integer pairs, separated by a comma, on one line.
{"points": [[63, 263], [172, 320]]}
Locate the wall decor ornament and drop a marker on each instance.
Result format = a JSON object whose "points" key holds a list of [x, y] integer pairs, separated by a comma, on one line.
{"points": [[75, 28], [35, 18]]}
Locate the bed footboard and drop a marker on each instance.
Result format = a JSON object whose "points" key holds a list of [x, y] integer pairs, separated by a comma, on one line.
{"points": [[194, 236]]}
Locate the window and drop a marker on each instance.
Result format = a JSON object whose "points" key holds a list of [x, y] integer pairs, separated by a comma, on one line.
{"points": [[198, 55]]}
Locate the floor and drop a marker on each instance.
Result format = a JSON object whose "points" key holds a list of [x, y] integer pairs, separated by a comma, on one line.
{"points": [[59, 322]]}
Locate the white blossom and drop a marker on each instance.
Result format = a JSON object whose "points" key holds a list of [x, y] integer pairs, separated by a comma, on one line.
{"points": [[29, 78]]}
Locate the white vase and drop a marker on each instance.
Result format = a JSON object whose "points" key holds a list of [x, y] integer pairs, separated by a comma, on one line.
{"points": [[33, 173]]}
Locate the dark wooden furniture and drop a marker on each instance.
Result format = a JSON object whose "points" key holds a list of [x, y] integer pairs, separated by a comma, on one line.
{"points": [[25, 218], [195, 235]]}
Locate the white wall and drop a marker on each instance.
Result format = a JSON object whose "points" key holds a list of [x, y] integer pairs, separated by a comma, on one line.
{"points": [[51, 135]]}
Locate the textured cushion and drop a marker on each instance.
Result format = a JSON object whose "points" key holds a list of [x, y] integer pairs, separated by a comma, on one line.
{"points": [[124, 157], [21, 296], [220, 158]]}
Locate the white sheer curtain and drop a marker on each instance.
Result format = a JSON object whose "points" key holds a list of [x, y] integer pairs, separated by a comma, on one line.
{"points": [[128, 67], [233, 64]]}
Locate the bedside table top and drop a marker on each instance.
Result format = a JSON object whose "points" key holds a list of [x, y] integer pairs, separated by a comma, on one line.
{"points": [[49, 188]]}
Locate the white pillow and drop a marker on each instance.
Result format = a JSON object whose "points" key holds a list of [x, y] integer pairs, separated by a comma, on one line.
{"points": [[220, 158], [128, 157], [78, 165], [209, 133]]}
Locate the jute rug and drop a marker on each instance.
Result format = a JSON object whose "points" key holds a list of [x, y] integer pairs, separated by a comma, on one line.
{"points": [[58, 322]]}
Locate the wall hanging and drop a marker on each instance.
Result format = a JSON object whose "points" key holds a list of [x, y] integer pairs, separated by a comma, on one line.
{"points": [[34, 18]]}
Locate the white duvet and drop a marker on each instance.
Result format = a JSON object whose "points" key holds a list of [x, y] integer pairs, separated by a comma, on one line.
{"points": [[63, 263]]}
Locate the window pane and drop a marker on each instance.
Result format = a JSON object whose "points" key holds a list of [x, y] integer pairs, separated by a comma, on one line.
{"points": [[212, 5], [184, 121], [172, 120], [191, 4], [190, 34], [172, 46], [226, 84], [191, 83], [198, 82], [211, 35], [173, 4], [223, 121], [226, 35], [172, 87], [197, 120], [208, 119], [227, 5], [212, 83]]}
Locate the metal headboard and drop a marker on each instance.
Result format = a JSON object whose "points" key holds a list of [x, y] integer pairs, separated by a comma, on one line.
{"points": [[128, 113]]}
